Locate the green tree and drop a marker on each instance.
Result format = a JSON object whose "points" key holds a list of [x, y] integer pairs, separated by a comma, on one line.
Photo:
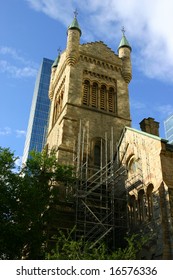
{"points": [[67, 248], [10, 241], [38, 194], [25, 198], [27, 202], [135, 243]]}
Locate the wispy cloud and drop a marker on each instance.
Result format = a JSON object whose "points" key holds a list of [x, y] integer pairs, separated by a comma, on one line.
{"points": [[16, 55], [17, 72], [59, 10], [148, 23], [16, 65], [5, 131], [20, 133], [137, 105], [164, 110]]}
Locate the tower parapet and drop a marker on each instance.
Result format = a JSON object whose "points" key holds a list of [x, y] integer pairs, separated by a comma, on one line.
{"points": [[73, 40], [124, 51]]}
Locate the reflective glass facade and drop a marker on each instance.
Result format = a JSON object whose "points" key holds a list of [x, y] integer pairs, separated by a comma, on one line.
{"points": [[38, 119], [168, 123]]}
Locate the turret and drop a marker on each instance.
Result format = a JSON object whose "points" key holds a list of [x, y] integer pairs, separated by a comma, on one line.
{"points": [[124, 51], [73, 40]]}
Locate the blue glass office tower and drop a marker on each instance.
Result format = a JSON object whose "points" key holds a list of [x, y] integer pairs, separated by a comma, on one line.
{"points": [[38, 119], [168, 124]]}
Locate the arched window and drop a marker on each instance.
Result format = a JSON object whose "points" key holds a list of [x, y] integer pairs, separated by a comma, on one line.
{"points": [[94, 95], [97, 154], [99, 96], [132, 165], [111, 100], [150, 201], [86, 92], [141, 206], [55, 113], [103, 97], [58, 104], [132, 210]]}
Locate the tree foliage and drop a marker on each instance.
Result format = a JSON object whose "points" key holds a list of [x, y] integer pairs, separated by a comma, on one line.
{"points": [[9, 184], [24, 198], [68, 249], [27, 202]]}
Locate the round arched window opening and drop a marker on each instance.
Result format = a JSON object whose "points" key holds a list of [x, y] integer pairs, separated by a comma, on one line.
{"points": [[132, 165], [97, 155]]}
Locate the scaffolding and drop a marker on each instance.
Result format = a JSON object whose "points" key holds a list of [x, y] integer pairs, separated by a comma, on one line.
{"points": [[101, 203]]}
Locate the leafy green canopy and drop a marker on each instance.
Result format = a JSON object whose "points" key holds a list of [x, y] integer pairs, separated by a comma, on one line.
{"points": [[24, 199]]}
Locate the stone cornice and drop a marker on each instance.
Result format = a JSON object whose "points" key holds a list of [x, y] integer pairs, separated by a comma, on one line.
{"points": [[101, 62], [102, 77]]}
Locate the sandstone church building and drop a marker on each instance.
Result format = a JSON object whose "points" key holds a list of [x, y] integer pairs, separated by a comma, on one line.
{"points": [[125, 176]]}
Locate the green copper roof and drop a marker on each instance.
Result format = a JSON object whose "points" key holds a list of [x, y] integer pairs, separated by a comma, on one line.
{"points": [[124, 43], [75, 25], [55, 64]]}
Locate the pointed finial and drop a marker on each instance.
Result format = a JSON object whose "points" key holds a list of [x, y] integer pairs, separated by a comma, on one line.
{"points": [[75, 24], [123, 30], [75, 13]]}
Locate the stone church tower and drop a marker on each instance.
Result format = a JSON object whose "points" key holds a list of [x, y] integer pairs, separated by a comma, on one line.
{"points": [[88, 93]]}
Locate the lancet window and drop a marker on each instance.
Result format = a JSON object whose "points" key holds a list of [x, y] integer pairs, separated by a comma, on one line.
{"points": [[99, 96], [58, 104], [97, 154], [141, 206], [94, 95], [86, 92], [132, 206], [149, 201], [103, 95], [111, 100]]}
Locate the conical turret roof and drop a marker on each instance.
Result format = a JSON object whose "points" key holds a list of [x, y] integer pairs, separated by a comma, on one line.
{"points": [[75, 25], [55, 64], [124, 42]]}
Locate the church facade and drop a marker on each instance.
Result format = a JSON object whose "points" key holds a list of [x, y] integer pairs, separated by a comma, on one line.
{"points": [[148, 160], [89, 88], [90, 126]]}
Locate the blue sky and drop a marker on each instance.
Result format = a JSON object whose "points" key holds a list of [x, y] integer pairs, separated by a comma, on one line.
{"points": [[33, 29]]}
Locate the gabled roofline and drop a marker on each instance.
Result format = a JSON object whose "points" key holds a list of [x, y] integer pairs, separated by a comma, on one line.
{"points": [[140, 132]]}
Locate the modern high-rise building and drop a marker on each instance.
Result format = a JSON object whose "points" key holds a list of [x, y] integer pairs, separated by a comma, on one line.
{"points": [[37, 124], [168, 124]]}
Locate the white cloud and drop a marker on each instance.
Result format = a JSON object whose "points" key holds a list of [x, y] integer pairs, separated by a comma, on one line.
{"points": [[60, 10], [8, 51], [5, 131], [17, 71], [164, 110], [16, 65], [148, 23], [20, 133], [137, 105]]}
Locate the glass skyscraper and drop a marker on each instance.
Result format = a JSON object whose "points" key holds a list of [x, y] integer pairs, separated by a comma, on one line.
{"points": [[37, 125], [168, 124]]}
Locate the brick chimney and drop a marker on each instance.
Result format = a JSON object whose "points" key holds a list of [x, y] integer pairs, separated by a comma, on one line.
{"points": [[150, 126]]}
